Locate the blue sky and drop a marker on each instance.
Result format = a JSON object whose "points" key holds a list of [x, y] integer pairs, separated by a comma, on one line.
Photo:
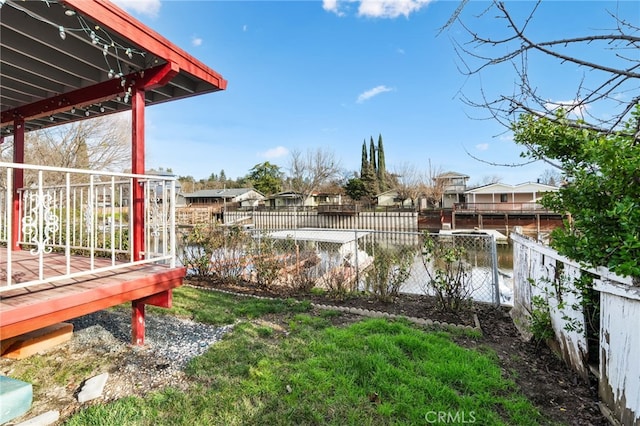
{"points": [[312, 74]]}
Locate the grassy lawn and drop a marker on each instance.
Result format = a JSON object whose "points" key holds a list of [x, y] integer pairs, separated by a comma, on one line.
{"points": [[304, 370]]}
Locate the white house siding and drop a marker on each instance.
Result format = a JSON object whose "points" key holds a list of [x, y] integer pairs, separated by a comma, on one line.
{"points": [[387, 199], [251, 199], [523, 194]]}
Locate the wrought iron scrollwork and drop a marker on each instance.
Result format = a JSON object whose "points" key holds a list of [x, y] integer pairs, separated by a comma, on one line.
{"points": [[40, 223]]}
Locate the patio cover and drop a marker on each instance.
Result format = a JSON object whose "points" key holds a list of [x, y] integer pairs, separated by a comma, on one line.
{"points": [[68, 60]]}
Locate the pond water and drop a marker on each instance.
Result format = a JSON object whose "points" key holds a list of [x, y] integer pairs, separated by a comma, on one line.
{"points": [[480, 274]]}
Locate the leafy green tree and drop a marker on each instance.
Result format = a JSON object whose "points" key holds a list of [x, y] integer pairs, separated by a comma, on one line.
{"points": [[355, 189], [266, 178], [602, 194], [370, 181], [187, 183]]}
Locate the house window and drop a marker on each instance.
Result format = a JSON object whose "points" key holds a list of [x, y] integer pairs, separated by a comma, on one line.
{"points": [[503, 198]]}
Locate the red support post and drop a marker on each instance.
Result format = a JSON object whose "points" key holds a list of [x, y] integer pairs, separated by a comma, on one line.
{"points": [[137, 323], [137, 210], [163, 299], [18, 182], [137, 167]]}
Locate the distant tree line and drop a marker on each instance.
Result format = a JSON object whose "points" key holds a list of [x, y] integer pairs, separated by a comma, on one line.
{"points": [[319, 171]]}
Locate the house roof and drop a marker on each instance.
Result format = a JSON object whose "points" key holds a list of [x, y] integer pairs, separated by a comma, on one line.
{"points": [[221, 193], [61, 62], [387, 192], [286, 194], [527, 187], [450, 175]]}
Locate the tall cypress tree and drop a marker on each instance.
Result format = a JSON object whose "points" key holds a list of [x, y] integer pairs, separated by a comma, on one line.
{"points": [[382, 172], [364, 165], [367, 173], [372, 157]]}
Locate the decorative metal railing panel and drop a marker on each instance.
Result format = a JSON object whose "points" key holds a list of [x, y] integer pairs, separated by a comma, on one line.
{"points": [[69, 212], [40, 223]]}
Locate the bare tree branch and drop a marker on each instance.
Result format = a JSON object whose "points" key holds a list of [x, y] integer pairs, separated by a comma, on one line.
{"points": [[101, 143], [309, 171], [611, 80]]}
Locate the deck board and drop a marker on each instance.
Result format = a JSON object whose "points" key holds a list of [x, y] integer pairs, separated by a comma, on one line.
{"points": [[31, 308]]}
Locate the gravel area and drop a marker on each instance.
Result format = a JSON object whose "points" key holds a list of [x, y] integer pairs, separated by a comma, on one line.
{"points": [[174, 340], [101, 343]]}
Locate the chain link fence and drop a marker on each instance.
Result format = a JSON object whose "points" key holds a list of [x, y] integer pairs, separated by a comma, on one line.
{"points": [[451, 266]]}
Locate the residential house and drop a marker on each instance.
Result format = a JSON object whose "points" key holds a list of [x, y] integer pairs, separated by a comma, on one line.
{"points": [[327, 198], [236, 197], [505, 197], [290, 199], [454, 185], [391, 198]]}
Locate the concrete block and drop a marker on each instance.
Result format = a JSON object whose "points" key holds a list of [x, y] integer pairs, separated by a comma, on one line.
{"points": [[44, 419], [93, 388], [16, 397]]}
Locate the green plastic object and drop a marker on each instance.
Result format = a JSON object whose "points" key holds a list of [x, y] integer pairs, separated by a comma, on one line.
{"points": [[15, 398]]}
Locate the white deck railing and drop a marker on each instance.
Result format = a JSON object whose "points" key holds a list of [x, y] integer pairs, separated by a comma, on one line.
{"points": [[74, 212]]}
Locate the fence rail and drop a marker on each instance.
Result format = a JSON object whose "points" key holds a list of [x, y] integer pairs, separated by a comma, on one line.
{"points": [[73, 212], [501, 207]]}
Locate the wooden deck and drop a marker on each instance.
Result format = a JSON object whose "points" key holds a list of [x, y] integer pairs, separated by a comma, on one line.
{"points": [[27, 309]]}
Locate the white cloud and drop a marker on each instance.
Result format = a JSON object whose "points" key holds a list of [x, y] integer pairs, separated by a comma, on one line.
{"points": [[482, 146], [400, 51], [277, 152], [245, 28], [372, 92], [377, 8], [574, 107], [330, 5], [196, 41], [145, 7]]}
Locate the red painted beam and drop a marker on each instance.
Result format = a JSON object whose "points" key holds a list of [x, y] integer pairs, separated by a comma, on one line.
{"points": [[107, 90], [16, 321], [111, 16], [157, 77], [161, 300]]}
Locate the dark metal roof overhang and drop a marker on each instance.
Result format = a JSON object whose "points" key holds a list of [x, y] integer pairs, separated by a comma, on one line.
{"points": [[68, 60]]}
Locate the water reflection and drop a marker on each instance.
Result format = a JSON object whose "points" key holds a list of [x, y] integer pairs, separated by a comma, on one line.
{"points": [[505, 256]]}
